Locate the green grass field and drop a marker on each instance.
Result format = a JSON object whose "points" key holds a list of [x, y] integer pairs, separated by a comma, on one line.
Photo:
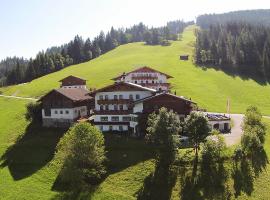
{"points": [[26, 151], [26, 170], [209, 88]]}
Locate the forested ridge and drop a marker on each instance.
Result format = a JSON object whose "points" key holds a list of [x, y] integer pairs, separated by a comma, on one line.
{"points": [[237, 47], [19, 70], [258, 17]]}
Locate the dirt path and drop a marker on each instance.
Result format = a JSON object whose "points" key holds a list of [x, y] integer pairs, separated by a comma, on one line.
{"points": [[15, 97]]}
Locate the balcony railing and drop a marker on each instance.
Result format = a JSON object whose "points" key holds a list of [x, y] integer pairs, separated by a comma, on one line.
{"points": [[115, 101], [113, 112], [144, 77]]}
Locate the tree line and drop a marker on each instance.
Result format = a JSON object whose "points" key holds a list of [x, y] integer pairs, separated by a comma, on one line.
{"points": [[236, 47], [255, 17], [18, 70]]}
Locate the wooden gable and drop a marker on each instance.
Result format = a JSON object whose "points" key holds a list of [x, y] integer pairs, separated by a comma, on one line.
{"points": [[72, 80]]}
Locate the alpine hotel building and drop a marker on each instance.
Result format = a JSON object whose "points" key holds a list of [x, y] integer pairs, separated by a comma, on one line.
{"points": [[116, 107]]}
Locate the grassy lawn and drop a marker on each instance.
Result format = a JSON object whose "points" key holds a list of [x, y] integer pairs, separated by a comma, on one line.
{"points": [[209, 88], [26, 153], [27, 173]]}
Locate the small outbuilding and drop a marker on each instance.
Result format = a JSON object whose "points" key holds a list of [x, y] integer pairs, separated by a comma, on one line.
{"points": [[184, 57], [219, 122]]}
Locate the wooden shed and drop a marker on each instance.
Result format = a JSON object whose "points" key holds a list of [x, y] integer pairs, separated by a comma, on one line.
{"points": [[184, 57]]}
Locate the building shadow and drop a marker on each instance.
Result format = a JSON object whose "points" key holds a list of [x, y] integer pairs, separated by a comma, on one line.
{"points": [[124, 151], [31, 151]]}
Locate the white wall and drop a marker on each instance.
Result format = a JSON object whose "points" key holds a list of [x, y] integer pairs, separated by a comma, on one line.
{"points": [[125, 94], [72, 113], [114, 127], [138, 108], [97, 118], [221, 124]]}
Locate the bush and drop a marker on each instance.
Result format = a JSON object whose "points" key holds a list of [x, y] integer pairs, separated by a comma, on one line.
{"points": [[33, 112], [81, 154], [165, 43], [213, 149]]}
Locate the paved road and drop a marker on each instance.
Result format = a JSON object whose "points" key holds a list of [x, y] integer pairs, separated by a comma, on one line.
{"points": [[15, 97], [236, 131]]}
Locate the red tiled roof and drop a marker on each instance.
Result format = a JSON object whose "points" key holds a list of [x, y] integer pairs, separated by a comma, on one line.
{"points": [[143, 69]]}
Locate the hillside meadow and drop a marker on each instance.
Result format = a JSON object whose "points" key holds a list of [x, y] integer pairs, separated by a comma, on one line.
{"points": [[27, 151], [27, 171], [208, 87]]}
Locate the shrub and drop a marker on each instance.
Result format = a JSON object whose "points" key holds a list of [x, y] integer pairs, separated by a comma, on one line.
{"points": [[81, 154], [213, 149], [33, 112]]}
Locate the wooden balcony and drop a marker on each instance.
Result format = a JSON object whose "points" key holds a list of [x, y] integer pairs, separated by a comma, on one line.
{"points": [[113, 112], [114, 101], [144, 77]]}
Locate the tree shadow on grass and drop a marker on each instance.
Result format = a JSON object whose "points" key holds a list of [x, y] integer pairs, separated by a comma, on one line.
{"points": [[121, 151], [245, 171], [233, 73], [85, 193], [31, 151], [158, 185], [208, 181]]}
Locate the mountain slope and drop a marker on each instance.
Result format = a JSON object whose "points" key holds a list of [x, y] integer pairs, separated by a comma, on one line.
{"points": [[209, 88]]}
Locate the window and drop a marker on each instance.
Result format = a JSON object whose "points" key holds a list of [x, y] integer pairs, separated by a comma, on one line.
{"points": [[120, 128], [106, 97], [61, 112], [153, 81], [120, 96], [67, 111], [55, 112], [107, 107], [136, 82], [115, 107], [126, 119], [137, 96], [131, 97], [101, 128], [115, 119], [146, 81], [47, 112], [101, 97], [101, 107], [121, 107], [104, 119], [115, 97], [110, 128]]}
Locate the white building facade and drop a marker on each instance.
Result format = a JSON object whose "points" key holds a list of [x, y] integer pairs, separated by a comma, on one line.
{"points": [[113, 106], [146, 77]]}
